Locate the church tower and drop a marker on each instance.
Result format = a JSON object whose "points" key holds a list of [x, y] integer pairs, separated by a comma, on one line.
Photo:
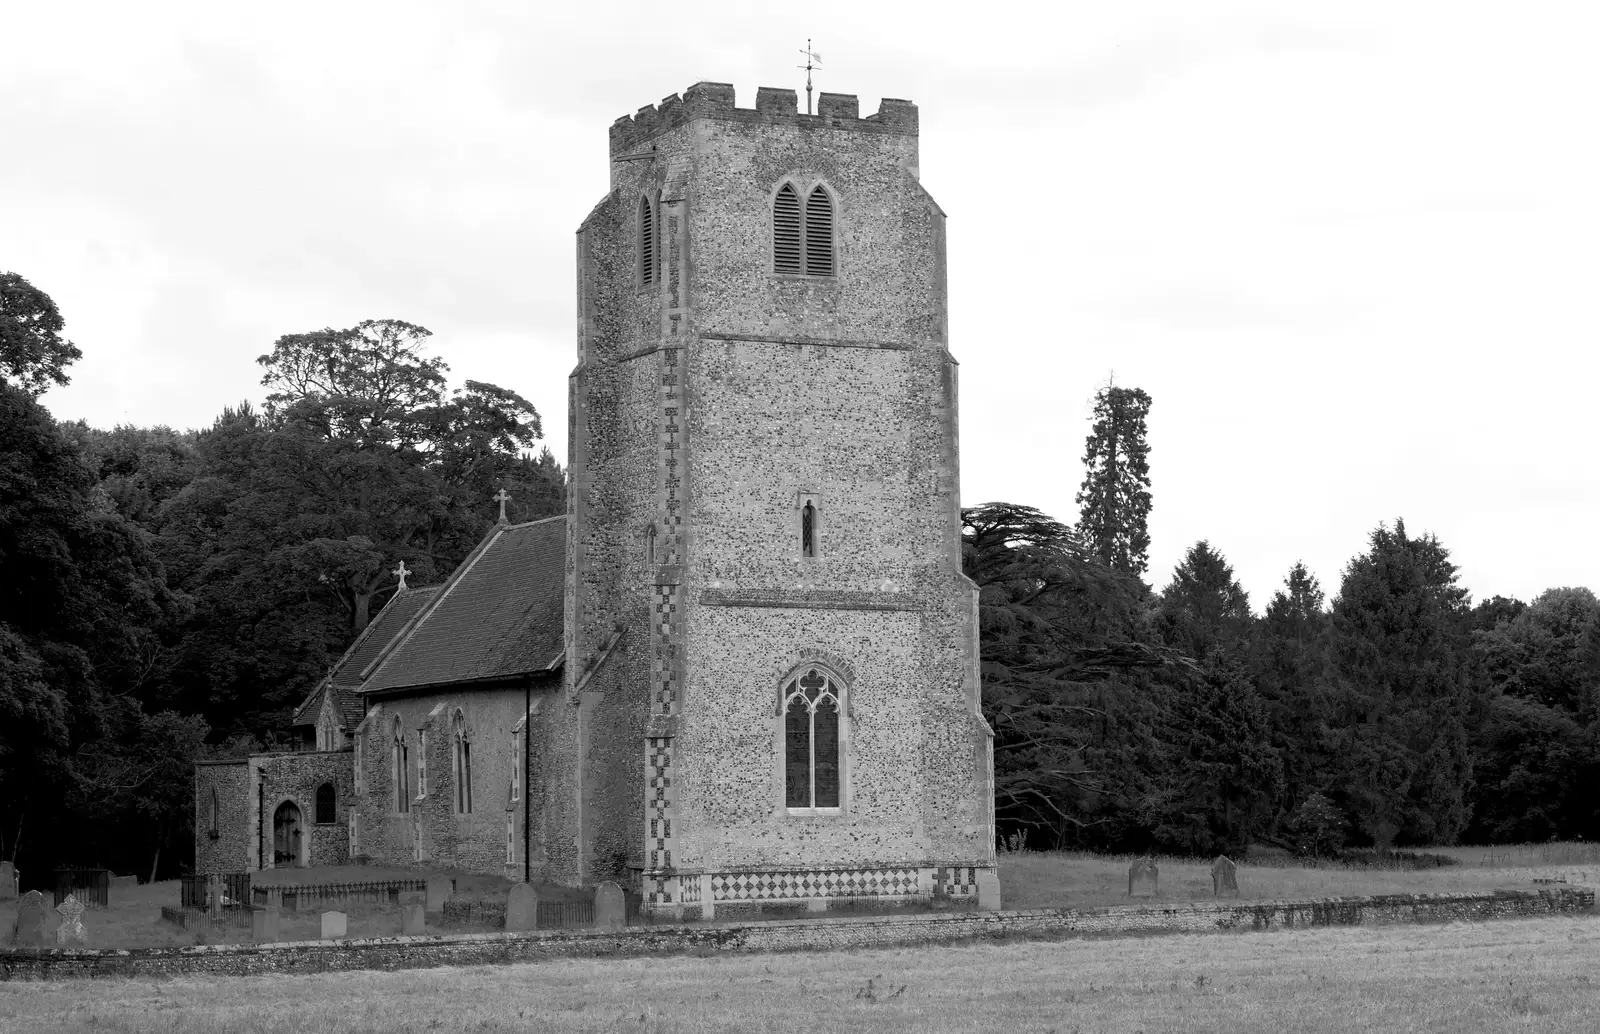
{"points": [[772, 651]]}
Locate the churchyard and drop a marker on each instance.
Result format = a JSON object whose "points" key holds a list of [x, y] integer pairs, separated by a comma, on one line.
{"points": [[1460, 977], [1028, 880]]}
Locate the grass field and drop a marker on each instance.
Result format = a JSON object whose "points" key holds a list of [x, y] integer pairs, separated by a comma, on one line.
{"points": [[1076, 880], [1536, 974]]}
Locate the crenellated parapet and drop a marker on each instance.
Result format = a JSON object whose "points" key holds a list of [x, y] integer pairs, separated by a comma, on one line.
{"points": [[716, 100]]}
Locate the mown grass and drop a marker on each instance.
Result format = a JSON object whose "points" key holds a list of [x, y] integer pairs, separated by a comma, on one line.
{"points": [[1461, 978]]}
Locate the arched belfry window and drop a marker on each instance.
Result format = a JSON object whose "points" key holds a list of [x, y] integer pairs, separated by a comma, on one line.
{"points": [[808, 529], [786, 230], [803, 244], [325, 803], [811, 741], [819, 232], [463, 764], [647, 241]]}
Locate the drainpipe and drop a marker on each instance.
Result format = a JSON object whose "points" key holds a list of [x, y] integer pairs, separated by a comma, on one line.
{"points": [[527, 790]]}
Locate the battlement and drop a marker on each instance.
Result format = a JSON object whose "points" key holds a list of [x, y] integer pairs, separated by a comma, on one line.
{"points": [[716, 100]]}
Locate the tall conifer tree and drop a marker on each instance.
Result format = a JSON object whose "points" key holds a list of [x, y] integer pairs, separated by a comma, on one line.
{"points": [[1114, 502]]}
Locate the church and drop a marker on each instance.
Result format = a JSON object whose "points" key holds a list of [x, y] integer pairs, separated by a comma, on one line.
{"points": [[741, 673]]}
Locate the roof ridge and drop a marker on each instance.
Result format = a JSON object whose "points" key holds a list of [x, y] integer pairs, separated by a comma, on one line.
{"points": [[420, 618], [529, 524], [355, 644]]}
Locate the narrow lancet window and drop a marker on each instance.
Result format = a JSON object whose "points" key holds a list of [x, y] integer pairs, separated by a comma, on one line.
{"points": [[808, 530], [647, 242], [811, 742]]}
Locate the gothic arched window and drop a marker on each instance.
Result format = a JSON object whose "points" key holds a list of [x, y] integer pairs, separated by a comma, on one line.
{"points": [[463, 764], [811, 741], [325, 803], [647, 241], [802, 242], [216, 813], [786, 230], [402, 769]]}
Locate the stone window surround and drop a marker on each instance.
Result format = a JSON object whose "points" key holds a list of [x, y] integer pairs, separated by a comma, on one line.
{"points": [[461, 768], [842, 690], [803, 186]]}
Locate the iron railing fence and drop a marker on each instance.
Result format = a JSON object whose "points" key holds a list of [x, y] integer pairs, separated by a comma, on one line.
{"points": [[92, 887]]}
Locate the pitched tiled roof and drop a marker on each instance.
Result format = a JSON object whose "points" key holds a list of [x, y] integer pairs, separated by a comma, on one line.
{"points": [[381, 633], [499, 616]]}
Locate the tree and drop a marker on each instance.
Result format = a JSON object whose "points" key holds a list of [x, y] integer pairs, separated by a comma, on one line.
{"points": [[1054, 625], [1114, 502], [1400, 649], [33, 354], [1203, 609]]}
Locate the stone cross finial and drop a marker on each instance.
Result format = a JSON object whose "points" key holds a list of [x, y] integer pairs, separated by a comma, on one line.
{"points": [[400, 573], [502, 497]]}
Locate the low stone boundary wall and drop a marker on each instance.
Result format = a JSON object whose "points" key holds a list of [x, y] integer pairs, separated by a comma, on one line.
{"points": [[391, 953]]}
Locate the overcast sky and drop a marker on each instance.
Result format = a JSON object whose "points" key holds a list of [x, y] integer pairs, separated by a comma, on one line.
{"points": [[1349, 248]]}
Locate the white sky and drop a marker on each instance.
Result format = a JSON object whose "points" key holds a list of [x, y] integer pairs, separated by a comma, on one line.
{"points": [[1349, 248]]}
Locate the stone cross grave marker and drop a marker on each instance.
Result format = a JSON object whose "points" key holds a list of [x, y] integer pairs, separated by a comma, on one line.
{"points": [[1143, 878], [32, 928], [1224, 877], [71, 929], [333, 925], [412, 921], [522, 908], [610, 907]]}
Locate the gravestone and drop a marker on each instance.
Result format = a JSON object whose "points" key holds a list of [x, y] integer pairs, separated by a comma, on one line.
{"points": [[1224, 877], [263, 923], [1143, 878], [412, 921], [8, 881], [522, 908], [71, 929], [610, 907], [988, 890], [439, 890], [33, 928], [333, 925]]}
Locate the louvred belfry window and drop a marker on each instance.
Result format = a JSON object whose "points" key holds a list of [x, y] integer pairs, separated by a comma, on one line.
{"points": [[647, 241], [819, 233], [811, 742], [786, 231]]}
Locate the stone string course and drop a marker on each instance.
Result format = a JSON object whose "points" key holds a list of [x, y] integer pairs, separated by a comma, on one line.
{"points": [[393, 953]]}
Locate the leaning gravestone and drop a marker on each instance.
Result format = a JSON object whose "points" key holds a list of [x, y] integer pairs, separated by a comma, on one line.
{"points": [[333, 925], [1143, 876], [610, 907], [1224, 877], [33, 928], [8, 881], [439, 890], [522, 908], [412, 921], [263, 923], [71, 929]]}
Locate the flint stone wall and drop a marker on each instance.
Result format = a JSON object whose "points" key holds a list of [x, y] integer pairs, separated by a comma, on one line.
{"points": [[392, 953]]}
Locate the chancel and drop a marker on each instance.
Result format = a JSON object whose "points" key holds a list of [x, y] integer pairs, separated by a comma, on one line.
{"points": [[741, 673]]}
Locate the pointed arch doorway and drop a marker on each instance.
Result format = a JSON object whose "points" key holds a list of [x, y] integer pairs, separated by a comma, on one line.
{"points": [[288, 836]]}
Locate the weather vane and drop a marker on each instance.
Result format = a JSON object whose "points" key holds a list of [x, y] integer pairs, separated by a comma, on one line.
{"points": [[812, 60]]}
